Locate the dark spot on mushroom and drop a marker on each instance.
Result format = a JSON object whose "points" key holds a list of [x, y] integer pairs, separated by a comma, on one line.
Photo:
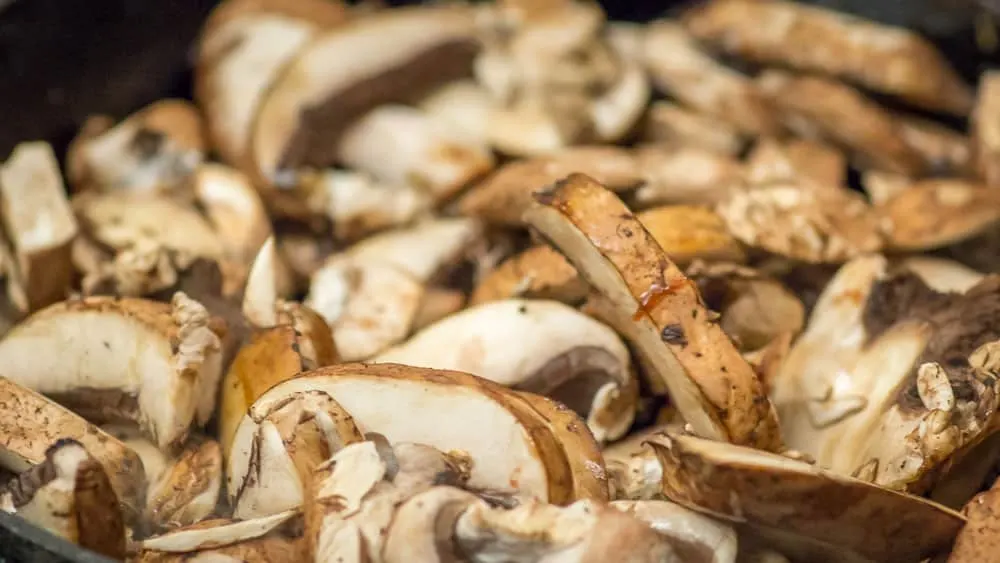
{"points": [[107, 344], [522, 309], [673, 334], [147, 142]]}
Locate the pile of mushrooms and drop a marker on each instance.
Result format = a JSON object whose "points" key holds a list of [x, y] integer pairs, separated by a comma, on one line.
{"points": [[504, 282]]}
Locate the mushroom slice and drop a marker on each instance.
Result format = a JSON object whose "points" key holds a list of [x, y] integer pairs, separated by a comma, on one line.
{"points": [[675, 126], [39, 221], [804, 225], [677, 66], [938, 212], [155, 149], [823, 166], [685, 175], [188, 490], [153, 364], [941, 274], [244, 45], [24, 443], [979, 540], [268, 281], [880, 186], [695, 537], [810, 513], [944, 150], [70, 495], [887, 59], [510, 446], [985, 125], [555, 351], [582, 531], [421, 527], [660, 310], [687, 233], [503, 196], [634, 471], [260, 540], [463, 106], [537, 273], [438, 303], [815, 106], [309, 108], [369, 306]]}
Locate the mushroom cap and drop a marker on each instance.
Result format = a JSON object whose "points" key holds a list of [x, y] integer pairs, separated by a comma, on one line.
{"points": [[978, 540], [820, 512], [310, 105], [689, 232], [821, 166], [659, 309], [129, 360], [938, 212], [537, 273]]}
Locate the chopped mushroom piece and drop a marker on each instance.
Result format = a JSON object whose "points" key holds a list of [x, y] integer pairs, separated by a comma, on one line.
{"points": [[537, 273], [39, 222], [634, 471], [944, 150], [886, 59], [695, 538], [438, 303], [686, 175], [418, 524], [677, 66], [809, 513], [675, 126], [658, 309], [819, 107], [554, 351], [815, 165], [985, 125], [188, 490], [979, 540], [268, 281], [687, 233], [152, 364], [938, 212], [261, 540], [881, 187], [70, 495]]}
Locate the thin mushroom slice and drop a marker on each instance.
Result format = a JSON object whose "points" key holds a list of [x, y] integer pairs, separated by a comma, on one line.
{"points": [[938, 212], [822, 166], [152, 364], [941, 274], [944, 150], [260, 540], [509, 444], [695, 537], [537, 273], [188, 489], [70, 495], [155, 149], [985, 125], [677, 66], [502, 197], [887, 59], [811, 513], [39, 222], [25, 441], [554, 351], [685, 175], [675, 126], [658, 309]]}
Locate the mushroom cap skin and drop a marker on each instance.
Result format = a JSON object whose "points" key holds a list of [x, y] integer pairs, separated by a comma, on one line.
{"points": [[934, 213], [532, 462], [104, 342], [554, 351], [188, 490], [39, 222], [886, 59], [657, 308], [695, 537], [431, 46], [24, 442], [688, 232], [820, 512], [70, 495], [537, 273]]}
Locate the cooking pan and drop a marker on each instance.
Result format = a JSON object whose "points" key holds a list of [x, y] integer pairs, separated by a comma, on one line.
{"points": [[62, 60]]}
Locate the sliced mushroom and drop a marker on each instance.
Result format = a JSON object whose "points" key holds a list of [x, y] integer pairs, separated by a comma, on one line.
{"points": [[634, 471], [677, 66], [941, 274], [938, 212], [39, 222], [25, 441], [819, 166], [695, 537], [554, 351], [188, 490], [884, 58], [70, 495], [944, 150], [155, 149], [421, 527], [985, 125], [537, 273], [881, 187], [978, 540], [658, 309], [814, 106], [687, 233], [812, 514], [676, 126], [686, 175], [268, 282], [142, 362], [464, 106], [260, 540], [503, 196], [438, 303]]}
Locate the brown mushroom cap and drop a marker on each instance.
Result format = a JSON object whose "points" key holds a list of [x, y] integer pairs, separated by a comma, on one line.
{"points": [[979, 540], [537, 273], [688, 232], [188, 490], [938, 212]]}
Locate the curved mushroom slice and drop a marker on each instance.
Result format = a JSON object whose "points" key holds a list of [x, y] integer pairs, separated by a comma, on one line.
{"points": [[686, 175], [70, 495], [537, 273], [148, 363], [687, 233], [944, 150], [819, 165], [24, 443], [503, 196], [582, 531], [261, 540], [941, 274], [817, 106], [369, 306], [656, 307], [938, 212], [268, 281], [805, 225], [554, 351], [677, 66], [985, 126], [510, 445], [810, 513], [886, 59], [155, 149], [675, 126], [311, 105], [695, 537], [39, 222], [188, 490], [417, 527], [242, 49]]}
